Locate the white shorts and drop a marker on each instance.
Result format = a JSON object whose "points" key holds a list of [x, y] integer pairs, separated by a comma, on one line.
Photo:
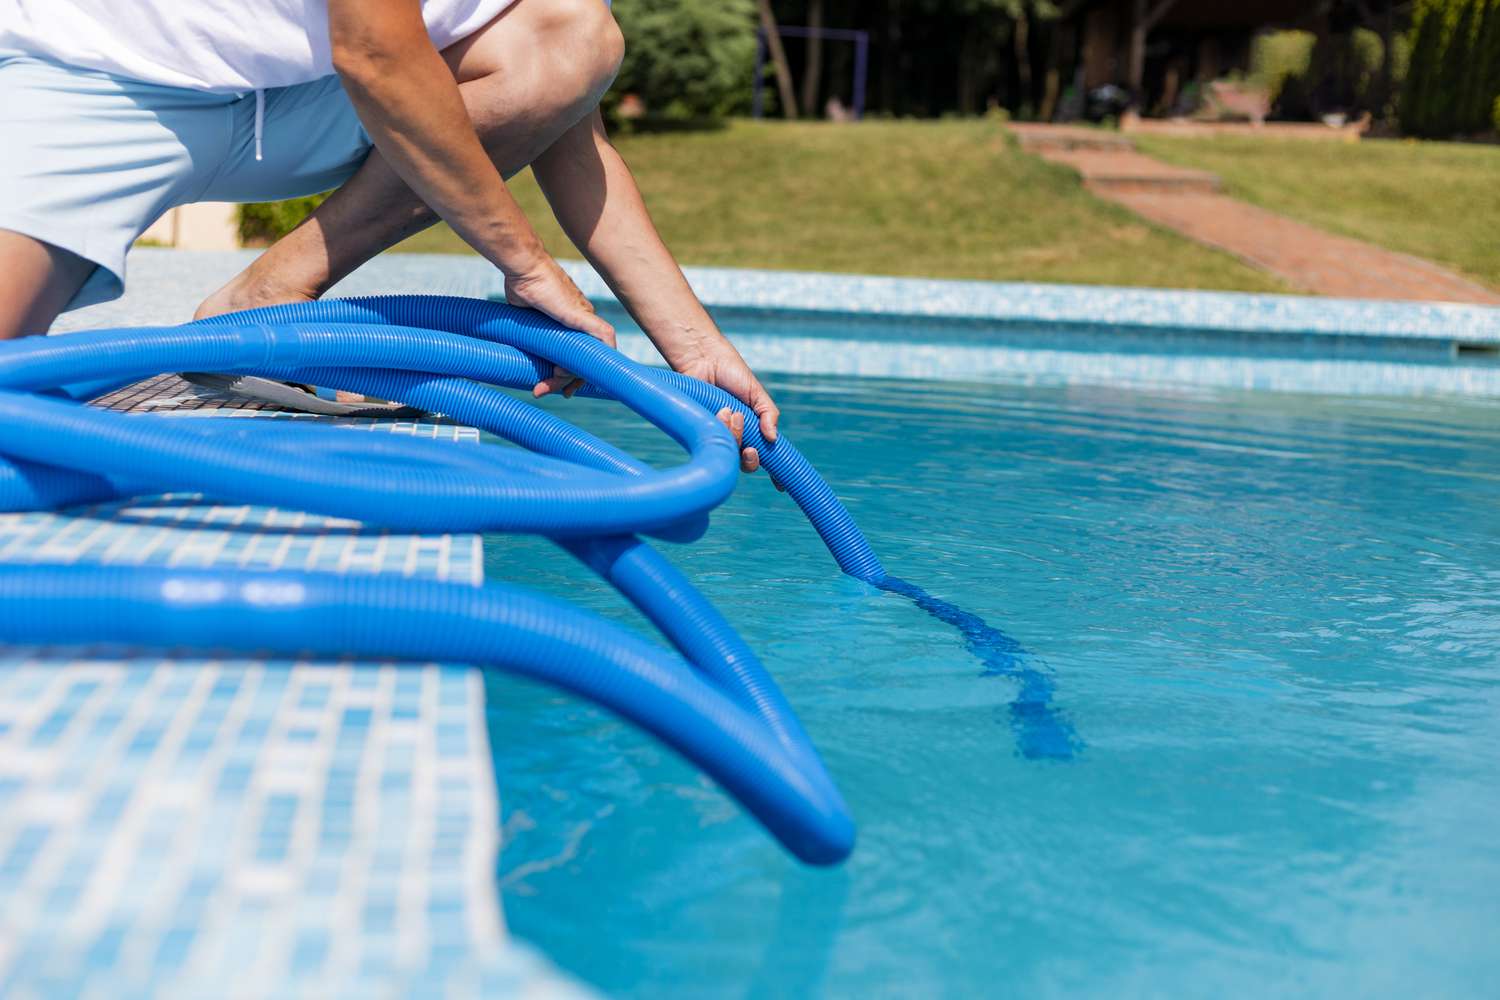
{"points": [[89, 160]]}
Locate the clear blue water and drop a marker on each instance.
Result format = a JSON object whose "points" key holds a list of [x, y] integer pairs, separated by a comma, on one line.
{"points": [[1273, 622]]}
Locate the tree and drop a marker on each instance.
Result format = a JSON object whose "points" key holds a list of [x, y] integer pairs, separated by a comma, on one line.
{"points": [[778, 59], [992, 31], [1454, 78], [687, 58], [812, 64]]}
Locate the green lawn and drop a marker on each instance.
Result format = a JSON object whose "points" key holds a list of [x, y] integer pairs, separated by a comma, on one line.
{"points": [[1438, 200], [938, 199]]}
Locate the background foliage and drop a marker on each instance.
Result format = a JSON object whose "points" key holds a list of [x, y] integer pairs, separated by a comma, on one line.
{"points": [[1454, 83], [1306, 76], [267, 221], [686, 59]]}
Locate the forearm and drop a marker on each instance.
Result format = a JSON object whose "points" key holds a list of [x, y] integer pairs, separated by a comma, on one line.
{"points": [[409, 102], [599, 206]]}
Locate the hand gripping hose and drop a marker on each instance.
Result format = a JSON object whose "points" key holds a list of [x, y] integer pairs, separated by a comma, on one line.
{"points": [[714, 702]]}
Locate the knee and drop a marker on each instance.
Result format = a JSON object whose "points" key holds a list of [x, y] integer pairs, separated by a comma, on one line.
{"points": [[584, 34]]}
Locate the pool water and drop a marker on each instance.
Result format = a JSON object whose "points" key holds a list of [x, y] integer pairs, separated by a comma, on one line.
{"points": [[1272, 624]]}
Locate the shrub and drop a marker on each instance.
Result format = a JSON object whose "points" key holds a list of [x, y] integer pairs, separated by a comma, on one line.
{"points": [[1279, 55], [686, 59], [1304, 79], [267, 221], [1454, 79]]}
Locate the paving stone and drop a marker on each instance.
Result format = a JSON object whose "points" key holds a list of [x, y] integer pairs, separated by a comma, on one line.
{"points": [[1127, 170], [1191, 203], [1304, 256]]}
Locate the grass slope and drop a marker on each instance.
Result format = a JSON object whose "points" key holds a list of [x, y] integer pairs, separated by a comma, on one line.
{"points": [[1438, 200], [937, 199]]}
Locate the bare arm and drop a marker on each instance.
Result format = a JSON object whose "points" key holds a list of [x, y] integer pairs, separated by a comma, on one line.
{"points": [[409, 102], [599, 206]]}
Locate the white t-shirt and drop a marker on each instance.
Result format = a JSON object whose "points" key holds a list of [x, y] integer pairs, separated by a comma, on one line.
{"points": [[214, 45]]}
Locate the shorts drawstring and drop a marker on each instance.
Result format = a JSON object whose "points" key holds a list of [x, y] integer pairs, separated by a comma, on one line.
{"points": [[260, 119]]}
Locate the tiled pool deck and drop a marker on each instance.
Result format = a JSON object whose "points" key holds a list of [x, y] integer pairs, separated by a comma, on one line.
{"points": [[174, 826]]}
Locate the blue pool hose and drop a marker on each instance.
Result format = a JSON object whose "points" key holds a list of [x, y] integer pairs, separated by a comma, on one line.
{"points": [[716, 704]]}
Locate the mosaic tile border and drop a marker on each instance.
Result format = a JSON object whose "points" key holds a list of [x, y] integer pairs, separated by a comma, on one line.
{"points": [[1167, 311]]}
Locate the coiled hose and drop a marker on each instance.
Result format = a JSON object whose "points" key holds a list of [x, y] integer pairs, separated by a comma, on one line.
{"points": [[715, 703]]}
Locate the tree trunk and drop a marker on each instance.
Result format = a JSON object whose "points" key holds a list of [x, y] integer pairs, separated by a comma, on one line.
{"points": [[1387, 58], [1141, 23], [967, 57], [889, 49], [1021, 36], [778, 60], [812, 64], [1053, 79], [1136, 68]]}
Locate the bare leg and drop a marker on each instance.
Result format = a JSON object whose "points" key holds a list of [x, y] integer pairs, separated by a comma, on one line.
{"points": [[36, 280], [526, 77]]}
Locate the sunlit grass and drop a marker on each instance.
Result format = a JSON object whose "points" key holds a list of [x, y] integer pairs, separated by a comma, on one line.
{"points": [[939, 199], [1439, 200]]}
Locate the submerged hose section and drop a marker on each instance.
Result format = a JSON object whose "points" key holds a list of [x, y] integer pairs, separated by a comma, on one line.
{"points": [[1041, 731], [716, 704]]}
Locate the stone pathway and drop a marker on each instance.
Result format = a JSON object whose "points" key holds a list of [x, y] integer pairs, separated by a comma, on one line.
{"points": [[1192, 203]]}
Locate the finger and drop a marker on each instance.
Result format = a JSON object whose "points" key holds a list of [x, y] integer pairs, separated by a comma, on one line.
{"points": [[572, 387], [561, 377], [749, 460], [550, 385], [595, 327], [734, 421], [767, 413]]}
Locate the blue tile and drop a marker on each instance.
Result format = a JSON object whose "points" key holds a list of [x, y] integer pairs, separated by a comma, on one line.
{"points": [[104, 952], [234, 779], [174, 947], [314, 696], [109, 806], [309, 952]]}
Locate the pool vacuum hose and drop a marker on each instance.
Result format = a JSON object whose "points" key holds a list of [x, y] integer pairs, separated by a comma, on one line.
{"points": [[713, 701]]}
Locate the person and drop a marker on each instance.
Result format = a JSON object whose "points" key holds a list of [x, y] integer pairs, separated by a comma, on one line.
{"points": [[111, 113]]}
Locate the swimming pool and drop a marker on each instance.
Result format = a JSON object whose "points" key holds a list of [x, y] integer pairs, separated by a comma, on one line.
{"points": [[1273, 621], [1269, 616]]}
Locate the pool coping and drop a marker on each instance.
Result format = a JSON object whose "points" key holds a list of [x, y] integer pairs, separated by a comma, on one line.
{"points": [[1164, 311], [999, 305]]}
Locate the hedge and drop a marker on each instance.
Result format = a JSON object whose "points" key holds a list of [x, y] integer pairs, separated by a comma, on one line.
{"points": [[1304, 78], [265, 222], [686, 59], [1454, 81]]}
